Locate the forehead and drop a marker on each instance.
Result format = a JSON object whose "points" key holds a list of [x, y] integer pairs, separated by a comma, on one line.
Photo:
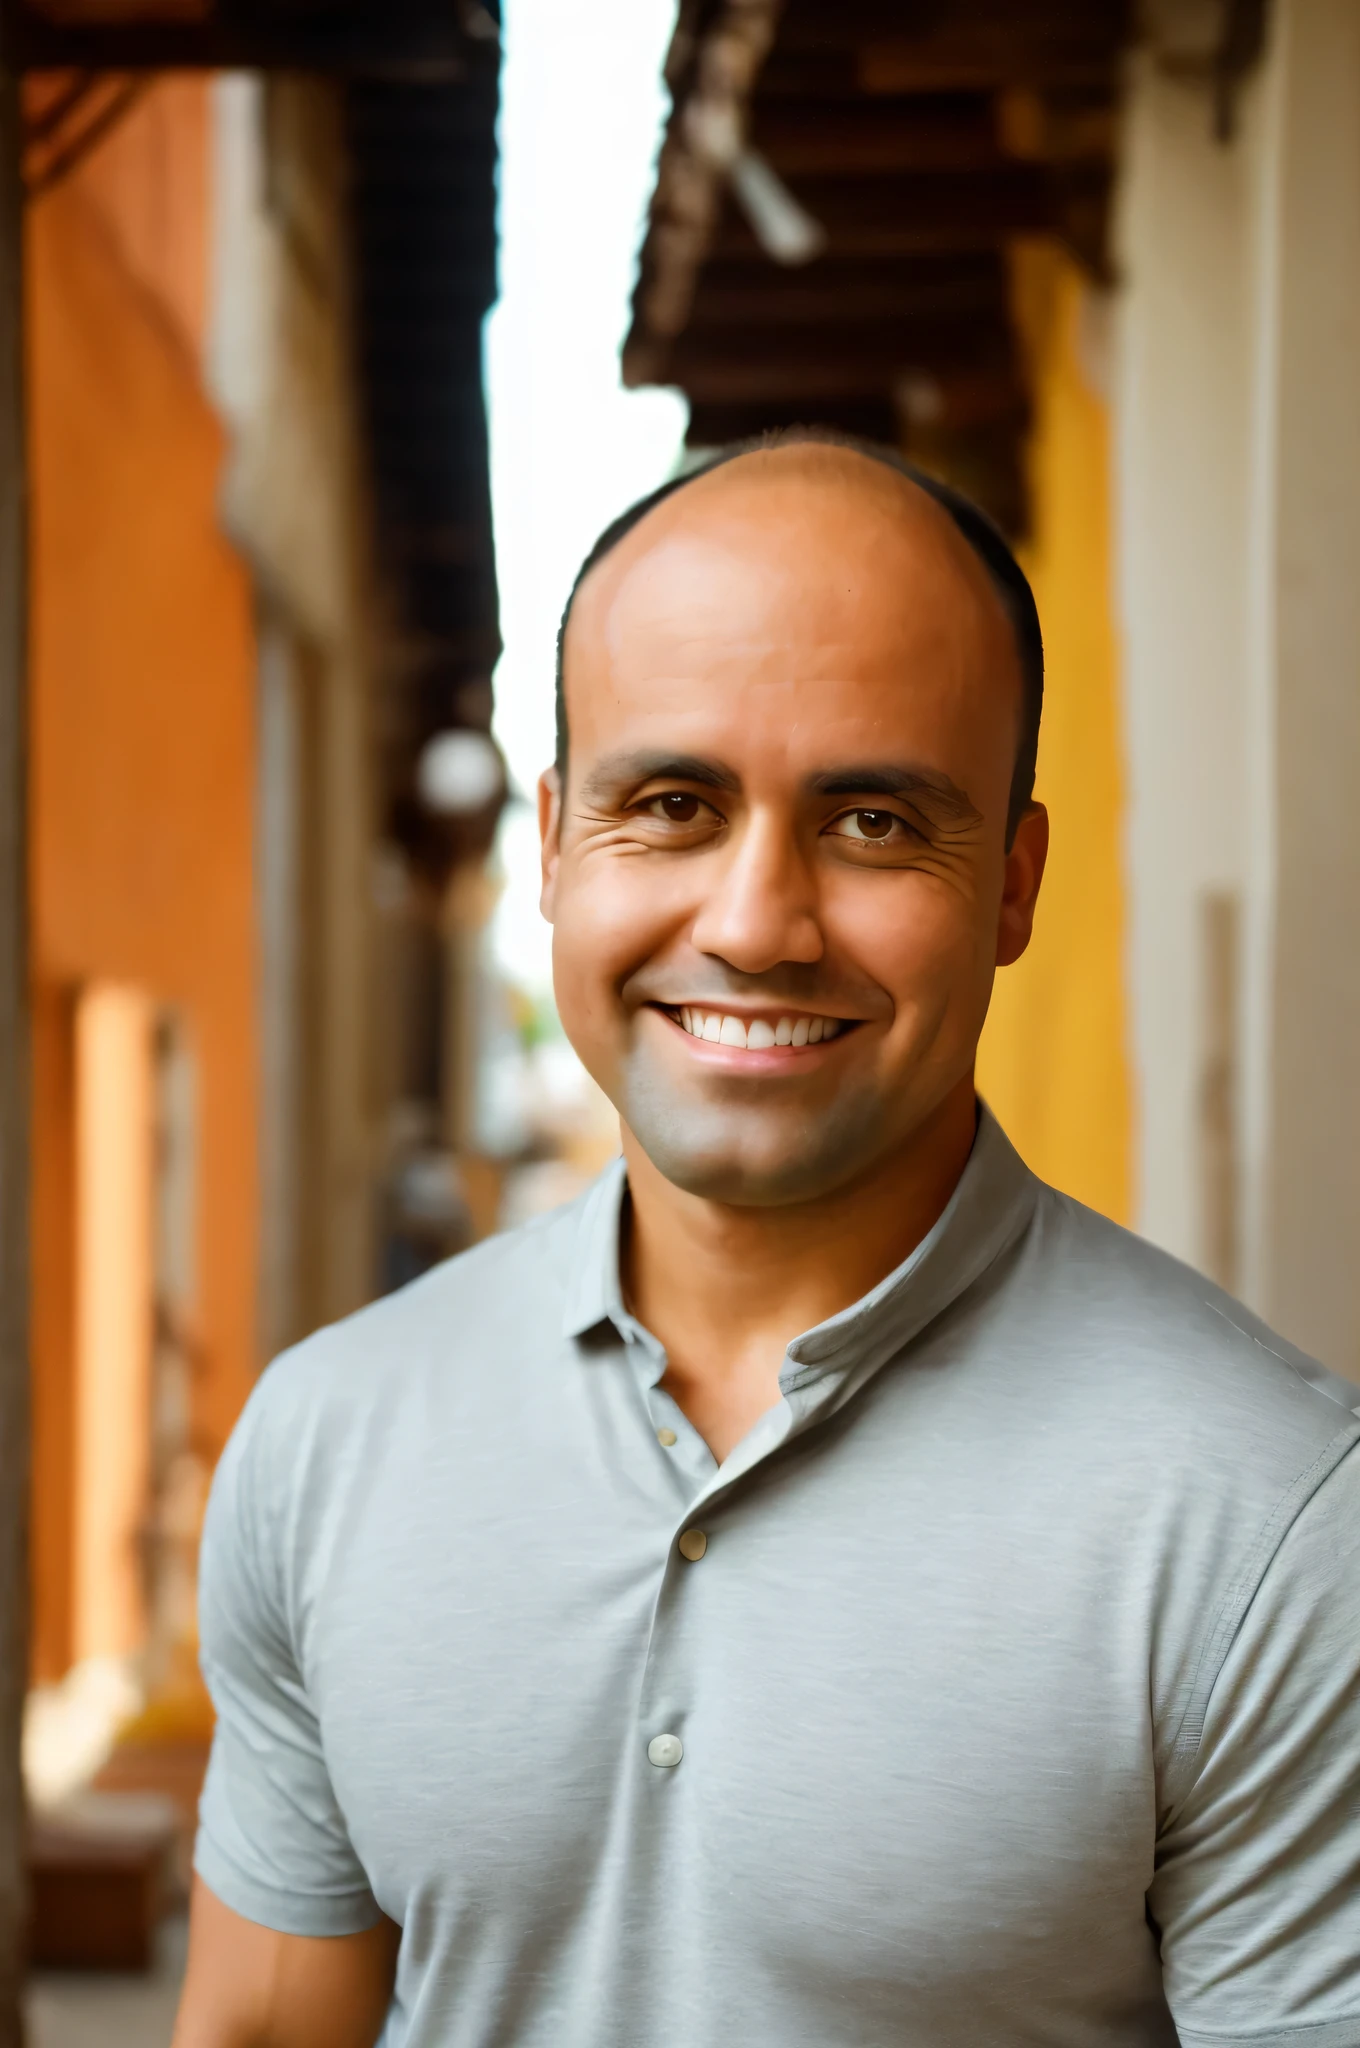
{"points": [[807, 585]]}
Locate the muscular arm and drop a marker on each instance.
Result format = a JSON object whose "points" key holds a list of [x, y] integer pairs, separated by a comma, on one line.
{"points": [[248, 1987]]}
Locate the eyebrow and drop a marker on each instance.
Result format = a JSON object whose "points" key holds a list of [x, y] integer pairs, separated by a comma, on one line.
{"points": [[905, 783], [625, 771]]}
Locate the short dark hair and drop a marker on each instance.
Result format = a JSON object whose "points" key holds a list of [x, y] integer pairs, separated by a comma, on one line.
{"points": [[1008, 579]]}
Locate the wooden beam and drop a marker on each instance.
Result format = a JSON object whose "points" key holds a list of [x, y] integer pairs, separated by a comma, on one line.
{"points": [[14, 1037], [918, 214], [420, 40], [810, 364], [899, 68], [704, 138], [919, 211], [1011, 197], [950, 398], [1073, 47], [997, 24], [810, 388], [849, 293], [904, 134], [910, 133], [847, 71], [853, 112], [796, 76], [1008, 33]]}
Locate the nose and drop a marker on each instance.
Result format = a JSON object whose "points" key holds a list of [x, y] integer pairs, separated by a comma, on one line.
{"points": [[763, 908]]}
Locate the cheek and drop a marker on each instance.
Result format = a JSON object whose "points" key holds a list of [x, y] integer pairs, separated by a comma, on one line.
{"points": [[919, 936], [611, 914]]}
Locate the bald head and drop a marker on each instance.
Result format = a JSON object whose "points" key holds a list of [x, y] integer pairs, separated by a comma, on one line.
{"points": [[798, 692], [847, 532]]}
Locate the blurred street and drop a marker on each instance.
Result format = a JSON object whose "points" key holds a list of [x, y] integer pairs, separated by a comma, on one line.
{"points": [[67, 2009], [344, 330]]}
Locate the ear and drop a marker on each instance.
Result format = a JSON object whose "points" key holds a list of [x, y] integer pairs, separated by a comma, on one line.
{"points": [[550, 834], [1020, 887]]}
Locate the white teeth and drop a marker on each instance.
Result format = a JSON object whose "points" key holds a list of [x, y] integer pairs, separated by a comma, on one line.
{"points": [[759, 1035]]}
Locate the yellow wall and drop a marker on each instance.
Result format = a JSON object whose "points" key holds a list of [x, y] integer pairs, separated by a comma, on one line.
{"points": [[1053, 1062]]}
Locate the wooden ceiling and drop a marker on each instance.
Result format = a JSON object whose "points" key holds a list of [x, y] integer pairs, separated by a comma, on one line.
{"points": [[418, 87], [426, 38], [920, 140]]}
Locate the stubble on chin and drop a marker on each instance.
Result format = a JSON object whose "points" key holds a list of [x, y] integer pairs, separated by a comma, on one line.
{"points": [[746, 1154]]}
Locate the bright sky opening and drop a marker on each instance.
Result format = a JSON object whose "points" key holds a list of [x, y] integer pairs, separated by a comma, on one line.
{"points": [[583, 107]]}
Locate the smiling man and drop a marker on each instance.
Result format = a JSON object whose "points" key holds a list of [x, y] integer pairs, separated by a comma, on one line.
{"points": [[824, 1587]]}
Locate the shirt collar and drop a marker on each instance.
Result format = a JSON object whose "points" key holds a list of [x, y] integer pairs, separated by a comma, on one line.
{"points": [[594, 1290], [987, 1211]]}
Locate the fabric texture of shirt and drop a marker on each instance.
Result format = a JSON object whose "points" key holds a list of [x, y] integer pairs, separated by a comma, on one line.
{"points": [[1012, 1696]]}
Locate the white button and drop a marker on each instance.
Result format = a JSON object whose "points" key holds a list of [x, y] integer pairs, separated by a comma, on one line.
{"points": [[665, 1751], [693, 1544], [666, 1437]]}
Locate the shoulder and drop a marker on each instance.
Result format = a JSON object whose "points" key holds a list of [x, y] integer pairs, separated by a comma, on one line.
{"points": [[1167, 1354], [509, 1289], [1177, 1442], [459, 1333]]}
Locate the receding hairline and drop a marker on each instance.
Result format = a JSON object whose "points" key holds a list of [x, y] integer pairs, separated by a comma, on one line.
{"points": [[979, 534], [866, 474]]}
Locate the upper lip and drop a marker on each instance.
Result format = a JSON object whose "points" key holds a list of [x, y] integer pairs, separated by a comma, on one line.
{"points": [[771, 1012]]}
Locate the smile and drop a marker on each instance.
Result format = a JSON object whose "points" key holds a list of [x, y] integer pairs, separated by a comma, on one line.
{"points": [[755, 1034]]}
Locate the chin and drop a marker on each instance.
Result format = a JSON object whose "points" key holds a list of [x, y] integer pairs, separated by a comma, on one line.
{"points": [[736, 1183], [744, 1162]]}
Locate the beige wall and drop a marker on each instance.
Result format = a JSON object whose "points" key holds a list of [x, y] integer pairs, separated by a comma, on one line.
{"points": [[1307, 1212], [1183, 414], [1238, 421], [279, 365]]}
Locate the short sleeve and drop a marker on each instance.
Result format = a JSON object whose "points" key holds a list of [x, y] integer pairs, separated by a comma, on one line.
{"points": [[1257, 1888], [272, 1842]]}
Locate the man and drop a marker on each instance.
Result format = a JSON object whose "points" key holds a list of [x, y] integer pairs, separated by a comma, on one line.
{"points": [[824, 1587]]}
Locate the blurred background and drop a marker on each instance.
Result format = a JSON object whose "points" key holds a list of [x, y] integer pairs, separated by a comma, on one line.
{"points": [[342, 329]]}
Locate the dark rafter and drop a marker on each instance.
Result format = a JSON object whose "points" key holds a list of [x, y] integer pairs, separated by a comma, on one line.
{"points": [[420, 80], [396, 38], [422, 157], [922, 142]]}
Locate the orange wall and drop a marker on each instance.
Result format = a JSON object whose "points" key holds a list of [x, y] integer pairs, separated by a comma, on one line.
{"points": [[142, 679]]}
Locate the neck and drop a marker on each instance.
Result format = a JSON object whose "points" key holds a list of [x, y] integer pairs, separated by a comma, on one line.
{"points": [[725, 1289]]}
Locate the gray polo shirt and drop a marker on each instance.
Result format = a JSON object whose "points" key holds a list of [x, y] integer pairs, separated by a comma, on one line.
{"points": [[999, 1688]]}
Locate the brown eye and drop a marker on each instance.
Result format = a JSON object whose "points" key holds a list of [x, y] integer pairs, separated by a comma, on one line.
{"points": [[675, 807], [871, 828]]}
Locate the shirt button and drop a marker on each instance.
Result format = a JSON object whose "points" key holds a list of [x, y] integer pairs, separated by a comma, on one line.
{"points": [[665, 1751], [693, 1544], [666, 1437]]}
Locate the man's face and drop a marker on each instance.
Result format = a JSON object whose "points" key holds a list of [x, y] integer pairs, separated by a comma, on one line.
{"points": [[777, 874]]}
